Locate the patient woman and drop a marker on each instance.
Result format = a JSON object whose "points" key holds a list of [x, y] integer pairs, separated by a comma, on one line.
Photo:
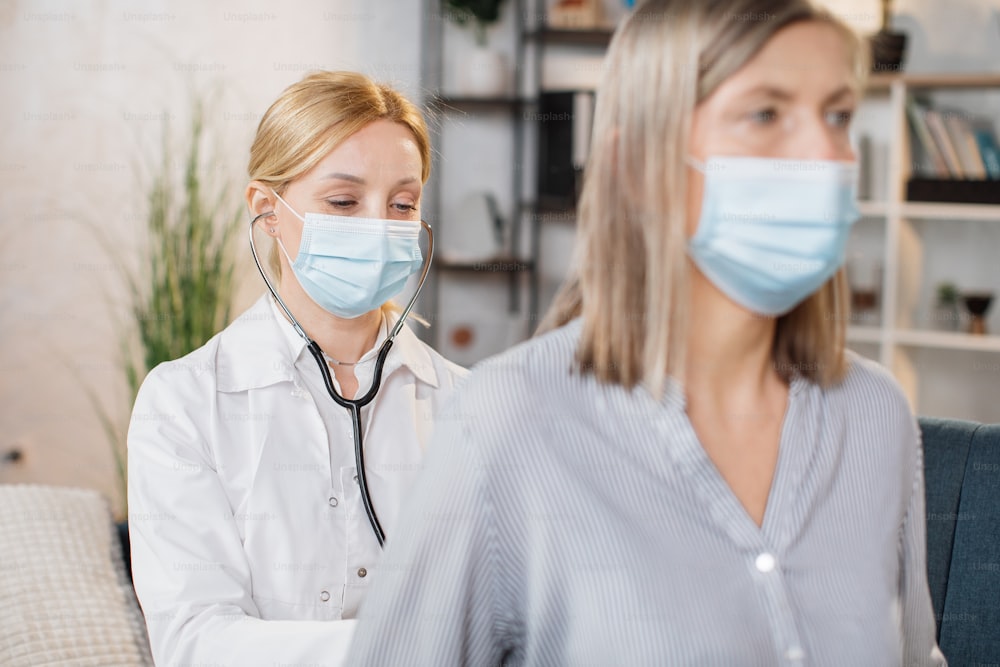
{"points": [[250, 545], [687, 468]]}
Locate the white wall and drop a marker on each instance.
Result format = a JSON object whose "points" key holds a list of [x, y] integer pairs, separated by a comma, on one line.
{"points": [[86, 88]]}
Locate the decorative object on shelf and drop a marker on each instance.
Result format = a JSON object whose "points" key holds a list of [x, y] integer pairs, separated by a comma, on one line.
{"points": [[955, 191], [479, 213], [499, 225], [945, 315], [977, 303], [565, 122], [462, 336], [575, 14], [888, 46], [485, 72]]}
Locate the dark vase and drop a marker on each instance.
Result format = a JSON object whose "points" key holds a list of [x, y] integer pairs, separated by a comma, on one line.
{"points": [[888, 51], [977, 303]]}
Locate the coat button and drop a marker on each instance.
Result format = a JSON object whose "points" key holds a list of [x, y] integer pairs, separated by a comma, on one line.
{"points": [[324, 596], [333, 501], [362, 572]]}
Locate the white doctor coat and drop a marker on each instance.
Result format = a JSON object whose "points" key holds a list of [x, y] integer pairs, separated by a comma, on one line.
{"points": [[250, 544]]}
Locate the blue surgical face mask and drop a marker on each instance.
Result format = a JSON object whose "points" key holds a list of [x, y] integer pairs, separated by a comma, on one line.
{"points": [[350, 266], [771, 232]]}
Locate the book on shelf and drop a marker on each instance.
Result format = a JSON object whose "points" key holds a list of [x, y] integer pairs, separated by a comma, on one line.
{"points": [[950, 144], [988, 147], [964, 141], [935, 123], [926, 153]]}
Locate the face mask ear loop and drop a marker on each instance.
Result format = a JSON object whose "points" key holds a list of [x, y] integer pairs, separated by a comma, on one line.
{"points": [[267, 281], [294, 212], [420, 285]]}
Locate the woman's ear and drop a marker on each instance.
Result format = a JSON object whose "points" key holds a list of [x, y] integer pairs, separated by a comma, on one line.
{"points": [[261, 200]]}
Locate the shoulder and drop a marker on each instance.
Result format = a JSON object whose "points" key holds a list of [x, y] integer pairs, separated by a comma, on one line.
{"points": [[191, 378], [869, 389], [248, 336], [527, 381], [875, 412]]}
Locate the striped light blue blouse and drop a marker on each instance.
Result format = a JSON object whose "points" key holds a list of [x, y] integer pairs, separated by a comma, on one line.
{"points": [[561, 521]]}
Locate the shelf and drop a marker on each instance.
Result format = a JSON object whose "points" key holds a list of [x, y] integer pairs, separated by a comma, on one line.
{"points": [[501, 265], [863, 334], [931, 80], [873, 209], [566, 216], [598, 37], [553, 205], [932, 211], [947, 340], [496, 104]]}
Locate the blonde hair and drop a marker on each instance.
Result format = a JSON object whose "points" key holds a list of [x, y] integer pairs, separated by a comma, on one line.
{"points": [[629, 281], [315, 115]]}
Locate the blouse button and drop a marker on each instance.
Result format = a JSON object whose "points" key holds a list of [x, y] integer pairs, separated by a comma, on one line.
{"points": [[765, 562], [362, 572], [324, 596], [333, 501]]}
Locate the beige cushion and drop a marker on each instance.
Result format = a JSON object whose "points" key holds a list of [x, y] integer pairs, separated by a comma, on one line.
{"points": [[64, 596]]}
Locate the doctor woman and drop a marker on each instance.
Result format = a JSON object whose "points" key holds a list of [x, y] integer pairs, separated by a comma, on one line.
{"points": [[687, 468], [250, 542]]}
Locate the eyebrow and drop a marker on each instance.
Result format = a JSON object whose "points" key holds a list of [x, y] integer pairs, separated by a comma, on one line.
{"points": [[360, 181], [784, 95]]}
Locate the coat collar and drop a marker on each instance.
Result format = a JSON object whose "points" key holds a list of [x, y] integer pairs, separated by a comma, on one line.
{"points": [[260, 348]]}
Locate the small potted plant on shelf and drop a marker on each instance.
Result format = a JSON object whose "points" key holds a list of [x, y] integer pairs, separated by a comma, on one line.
{"points": [[485, 72], [888, 46], [946, 315]]}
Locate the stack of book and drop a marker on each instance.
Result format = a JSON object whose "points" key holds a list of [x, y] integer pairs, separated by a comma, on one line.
{"points": [[956, 156]]}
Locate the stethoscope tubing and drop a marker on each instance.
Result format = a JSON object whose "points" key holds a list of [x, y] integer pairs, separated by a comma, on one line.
{"points": [[353, 406]]}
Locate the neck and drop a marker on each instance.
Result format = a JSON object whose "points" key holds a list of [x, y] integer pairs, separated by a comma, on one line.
{"points": [[728, 349], [344, 340]]}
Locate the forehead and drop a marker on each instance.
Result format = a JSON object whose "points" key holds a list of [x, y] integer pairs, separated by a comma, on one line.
{"points": [[809, 58], [381, 145]]}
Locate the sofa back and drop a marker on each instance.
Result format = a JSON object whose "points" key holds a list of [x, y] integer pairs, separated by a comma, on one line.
{"points": [[962, 479]]}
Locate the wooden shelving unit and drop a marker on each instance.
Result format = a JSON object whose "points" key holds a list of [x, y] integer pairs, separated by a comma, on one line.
{"points": [[900, 340]]}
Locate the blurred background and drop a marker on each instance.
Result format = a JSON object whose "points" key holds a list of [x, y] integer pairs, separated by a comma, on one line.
{"points": [[101, 97]]}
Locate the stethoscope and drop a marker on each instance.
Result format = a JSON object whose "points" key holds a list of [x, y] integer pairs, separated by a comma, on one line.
{"points": [[353, 406]]}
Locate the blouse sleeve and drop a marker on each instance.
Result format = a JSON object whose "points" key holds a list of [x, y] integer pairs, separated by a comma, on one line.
{"points": [[438, 599], [190, 572], [919, 628]]}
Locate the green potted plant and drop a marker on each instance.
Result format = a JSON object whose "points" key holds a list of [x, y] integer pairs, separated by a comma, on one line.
{"points": [[182, 292], [945, 315], [485, 72]]}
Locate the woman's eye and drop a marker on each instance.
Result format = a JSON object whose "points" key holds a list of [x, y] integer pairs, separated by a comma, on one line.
{"points": [[841, 118], [341, 203], [763, 116], [405, 208]]}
